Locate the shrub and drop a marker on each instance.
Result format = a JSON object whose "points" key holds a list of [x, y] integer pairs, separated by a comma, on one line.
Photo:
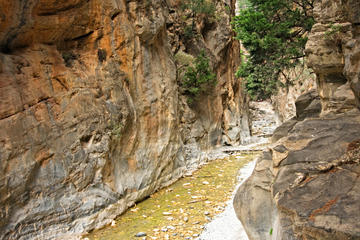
{"points": [[198, 79]]}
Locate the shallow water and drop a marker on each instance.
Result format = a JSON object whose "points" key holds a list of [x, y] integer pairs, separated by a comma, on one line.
{"points": [[226, 226], [183, 210]]}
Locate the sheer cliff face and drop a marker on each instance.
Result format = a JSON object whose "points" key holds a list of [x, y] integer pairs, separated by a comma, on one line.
{"points": [[91, 116], [333, 52]]}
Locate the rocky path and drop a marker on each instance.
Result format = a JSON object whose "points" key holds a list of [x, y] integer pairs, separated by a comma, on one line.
{"points": [[226, 226], [198, 206], [182, 210]]}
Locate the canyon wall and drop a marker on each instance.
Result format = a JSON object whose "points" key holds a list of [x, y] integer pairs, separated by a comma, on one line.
{"points": [[92, 115], [306, 185]]}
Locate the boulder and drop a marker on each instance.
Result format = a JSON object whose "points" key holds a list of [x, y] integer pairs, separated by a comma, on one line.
{"points": [[306, 185]]}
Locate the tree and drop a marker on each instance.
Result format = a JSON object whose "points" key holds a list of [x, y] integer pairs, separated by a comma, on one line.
{"points": [[274, 32]]}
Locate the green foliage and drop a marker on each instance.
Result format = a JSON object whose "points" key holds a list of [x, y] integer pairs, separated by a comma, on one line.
{"points": [[271, 231], [274, 34], [116, 129], [332, 32], [197, 7], [198, 79], [243, 3], [189, 32]]}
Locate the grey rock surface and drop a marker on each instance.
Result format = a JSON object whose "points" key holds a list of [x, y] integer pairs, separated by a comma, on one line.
{"points": [[92, 116]]}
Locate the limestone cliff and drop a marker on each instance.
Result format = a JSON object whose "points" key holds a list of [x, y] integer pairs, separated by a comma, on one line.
{"points": [[92, 118], [306, 186]]}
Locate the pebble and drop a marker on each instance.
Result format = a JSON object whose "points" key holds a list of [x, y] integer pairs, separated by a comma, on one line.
{"points": [[174, 234], [164, 229], [187, 237], [196, 222], [140, 234], [156, 229], [113, 223], [171, 227], [206, 213], [186, 184], [186, 219], [167, 213], [170, 218], [205, 182], [196, 235]]}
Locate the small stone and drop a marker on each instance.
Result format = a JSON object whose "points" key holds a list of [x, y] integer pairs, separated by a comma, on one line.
{"points": [[208, 218], [186, 219], [206, 213], [140, 234], [188, 174], [174, 234], [207, 202], [201, 227], [164, 229], [196, 222], [113, 223], [187, 237], [167, 213], [196, 235], [171, 227], [186, 184], [205, 182], [156, 229], [170, 218]]}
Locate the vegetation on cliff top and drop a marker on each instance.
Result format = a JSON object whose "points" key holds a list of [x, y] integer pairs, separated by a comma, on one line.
{"points": [[274, 32]]}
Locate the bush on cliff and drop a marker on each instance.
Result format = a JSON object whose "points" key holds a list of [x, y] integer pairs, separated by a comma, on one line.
{"points": [[274, 32], [198, 78]]}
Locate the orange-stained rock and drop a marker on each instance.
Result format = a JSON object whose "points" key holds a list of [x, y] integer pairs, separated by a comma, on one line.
{"points": [[91, 113]]}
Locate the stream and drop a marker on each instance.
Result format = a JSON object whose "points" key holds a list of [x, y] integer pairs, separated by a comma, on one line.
{"points": [[199, 205]]}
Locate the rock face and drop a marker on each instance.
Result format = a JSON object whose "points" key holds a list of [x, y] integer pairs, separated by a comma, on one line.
{"points": [[306, 186], [91, 114], [302, 81], [333, 53]]}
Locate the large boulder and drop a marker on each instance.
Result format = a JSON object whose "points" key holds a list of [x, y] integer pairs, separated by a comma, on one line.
{"points": [[307, 185]]}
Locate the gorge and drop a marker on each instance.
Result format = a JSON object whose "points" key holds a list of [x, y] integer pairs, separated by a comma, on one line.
{"points": [[94, 117]]}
